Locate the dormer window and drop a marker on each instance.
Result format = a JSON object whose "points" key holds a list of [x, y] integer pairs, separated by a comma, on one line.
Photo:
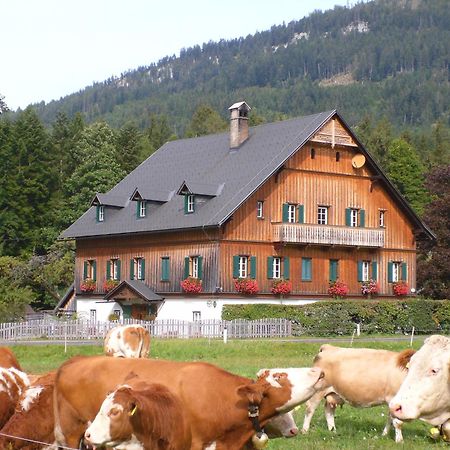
{"points": [[189, 203], [141, 208], [100, 213]]}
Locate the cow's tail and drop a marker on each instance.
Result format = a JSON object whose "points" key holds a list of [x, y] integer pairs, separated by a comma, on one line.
{"points": [[404, 357]]}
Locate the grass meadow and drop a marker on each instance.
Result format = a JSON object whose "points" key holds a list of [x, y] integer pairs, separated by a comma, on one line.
{"points": [[356, 428]]}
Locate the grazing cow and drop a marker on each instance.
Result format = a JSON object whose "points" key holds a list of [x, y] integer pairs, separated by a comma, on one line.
{"points": [[282, 425], [425, 392], [216, 403], [7, 359], [127, 341], [35, 407], [12, 383], [360, 376], [147, 416]]}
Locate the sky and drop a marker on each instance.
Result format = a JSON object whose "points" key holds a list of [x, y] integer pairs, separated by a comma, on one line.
{"points": [[52, 48]]}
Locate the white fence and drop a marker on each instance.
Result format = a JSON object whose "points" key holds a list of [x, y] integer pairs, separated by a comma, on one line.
{"points": [[56, 329]]}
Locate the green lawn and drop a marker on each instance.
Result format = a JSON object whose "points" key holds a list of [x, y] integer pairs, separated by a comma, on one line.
{"points": [[356, 428]]}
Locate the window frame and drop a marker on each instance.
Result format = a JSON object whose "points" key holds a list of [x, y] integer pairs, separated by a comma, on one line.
{"points": [[354, 217], [382, 218], [190, 203], [243, 265], [291, 210], [260, 209], [306, 261], [365, 270], [100, 213], [276, 267], [396, 271], [137, 269], [322, 215], [90, 269], [114, 269], [196, 316], [142, 209], [194, 266]]}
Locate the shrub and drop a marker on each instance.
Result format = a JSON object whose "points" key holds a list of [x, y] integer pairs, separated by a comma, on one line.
{"points": [[281, 287], [191, 285], [88, 286], [400, 289], [338, 289], [246, 286], [113, 317]]}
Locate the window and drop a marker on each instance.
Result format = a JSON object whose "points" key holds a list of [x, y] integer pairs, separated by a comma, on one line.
{"points": [[334, 269], [365, 268], [90, 270], [117, 312], [322, 215], [396, 271], [338, 156], [313, 153], [353, 217], [165, 268], [291, 213], [100, 213], [259, 209], [193, 267], [137, 269], [243, 266], [196, 316], [189, 203], [381, 222], [276, 267], [113, 269], [306, 269], [141, 208]]}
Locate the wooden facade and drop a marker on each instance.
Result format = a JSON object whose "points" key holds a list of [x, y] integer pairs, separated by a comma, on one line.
{"points": [[321, 173]]}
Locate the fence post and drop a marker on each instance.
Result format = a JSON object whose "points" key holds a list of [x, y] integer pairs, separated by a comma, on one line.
{"points": [[225, 335], [412, 337], [358, 329]]}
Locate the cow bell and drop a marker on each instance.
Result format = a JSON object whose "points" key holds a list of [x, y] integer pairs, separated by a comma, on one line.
{"points": [[260, 440]]}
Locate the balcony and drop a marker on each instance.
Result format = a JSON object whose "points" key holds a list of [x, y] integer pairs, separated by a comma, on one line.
{"points": [[300, 233]]}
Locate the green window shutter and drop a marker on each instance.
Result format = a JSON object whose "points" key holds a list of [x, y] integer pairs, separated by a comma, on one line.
{"points": [[374, 270], [236, 266], [333, 269], [390, 272], [142, 269], [186, 203], [108, 270], [97, 213], [306, 269], [138, 207], [131, 269], [286, 268], [270, 267], [285, 212], [362, 218], [165, 273], [253, 267], [200, 267], [126, 310], [348, 216], [186, 266], [85, 270], [301, 213], [94, 270], [118, 269], [404, 271], [360, 270]]}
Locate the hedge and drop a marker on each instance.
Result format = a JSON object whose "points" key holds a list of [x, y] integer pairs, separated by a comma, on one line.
{"points": [[329, 318]]}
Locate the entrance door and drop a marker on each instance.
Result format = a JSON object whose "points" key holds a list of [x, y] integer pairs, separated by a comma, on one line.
{"points": [[139, 312]]}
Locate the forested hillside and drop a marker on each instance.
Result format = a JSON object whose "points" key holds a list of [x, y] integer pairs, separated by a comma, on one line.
{"points": [[383, 64], [383, 58]]}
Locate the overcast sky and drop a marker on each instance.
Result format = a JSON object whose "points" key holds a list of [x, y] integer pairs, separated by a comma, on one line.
{"points": [[52, 48]]}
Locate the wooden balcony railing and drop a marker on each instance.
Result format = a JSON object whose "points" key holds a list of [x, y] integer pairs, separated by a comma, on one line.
{"points": [[328, 235]]}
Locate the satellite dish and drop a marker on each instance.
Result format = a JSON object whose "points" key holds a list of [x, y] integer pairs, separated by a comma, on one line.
{"points": [[358, 161]]}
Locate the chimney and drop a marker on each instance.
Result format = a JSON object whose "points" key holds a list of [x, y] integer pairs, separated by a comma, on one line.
{"points": [[238, 124]]}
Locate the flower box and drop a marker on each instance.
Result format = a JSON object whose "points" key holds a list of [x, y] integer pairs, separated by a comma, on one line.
{"points": [[246, 286], [369, 288], [400, 289], [109, 285], [338, 289], [88, 286], [191, 285], [281, 287]]}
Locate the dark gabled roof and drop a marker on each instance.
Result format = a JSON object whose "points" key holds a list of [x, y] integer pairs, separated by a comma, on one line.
{"points": [[66, 298], [208, 165], [139, 287], [153, 195], [109, 199]]}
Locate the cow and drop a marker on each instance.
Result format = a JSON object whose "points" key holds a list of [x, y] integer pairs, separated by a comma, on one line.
{"points": [[216, 403], [362, 377], [35, 406], [7, 359], [282, 425], [425, 392], [146, 416], [127, 341], [12, 383]]}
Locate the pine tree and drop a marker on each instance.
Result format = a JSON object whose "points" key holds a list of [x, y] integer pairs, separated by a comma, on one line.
{"points": [[205, 121]]}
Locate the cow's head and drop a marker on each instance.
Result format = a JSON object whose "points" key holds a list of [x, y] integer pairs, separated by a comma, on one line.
{"points": [[425, 392], [282, 425]]}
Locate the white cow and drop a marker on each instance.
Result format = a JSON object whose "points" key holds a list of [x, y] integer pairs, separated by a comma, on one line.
{"points": [[127, 341]]}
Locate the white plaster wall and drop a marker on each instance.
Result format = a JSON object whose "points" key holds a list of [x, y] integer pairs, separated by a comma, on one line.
{"points": [[104, 309]]}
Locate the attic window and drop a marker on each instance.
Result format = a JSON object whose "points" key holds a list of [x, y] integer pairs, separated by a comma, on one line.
{"points": [[313, 153], [100, 213], [338, 156], [189, 203], [141, 209]]}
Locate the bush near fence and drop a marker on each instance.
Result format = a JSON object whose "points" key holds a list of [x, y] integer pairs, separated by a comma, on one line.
{"points": [[330, 318]]}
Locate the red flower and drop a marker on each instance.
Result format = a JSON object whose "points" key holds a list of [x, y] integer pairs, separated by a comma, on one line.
{"points": [[338, 289], [191, 285], [281, 287], [400, 289], [369, 287], [88, 286], [109, 285], [246, 286]]}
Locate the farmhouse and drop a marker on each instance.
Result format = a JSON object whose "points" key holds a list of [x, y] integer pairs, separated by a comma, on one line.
{"points": [[285, 208]]}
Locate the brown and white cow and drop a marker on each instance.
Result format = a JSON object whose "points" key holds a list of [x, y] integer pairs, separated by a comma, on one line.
{"points": [[12, 383], [32, 420], [127, 341], [281, 426], [362, 377], [425, 392], [215, 402], [8, 359], [147, 416]]}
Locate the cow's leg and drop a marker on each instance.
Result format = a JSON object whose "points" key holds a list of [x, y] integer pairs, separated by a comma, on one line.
{"points": [[398, 429], [311, 406], [387, 427]]}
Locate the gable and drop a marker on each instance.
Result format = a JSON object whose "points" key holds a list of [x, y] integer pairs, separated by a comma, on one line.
{"points": [[334, 133]]}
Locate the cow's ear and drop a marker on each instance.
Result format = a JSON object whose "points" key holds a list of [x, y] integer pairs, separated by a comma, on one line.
{"points": [[254, 392], [404, 357]]}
